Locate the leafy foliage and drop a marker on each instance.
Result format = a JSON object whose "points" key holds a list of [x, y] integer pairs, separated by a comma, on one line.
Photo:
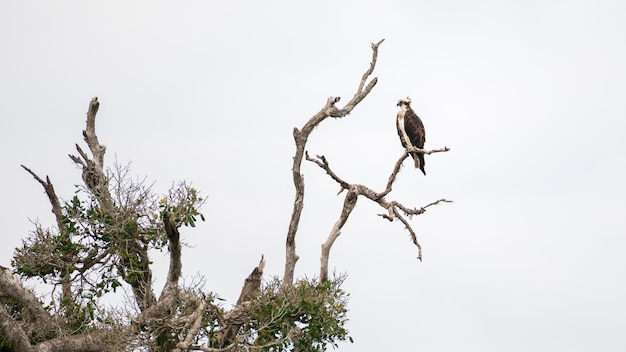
{"points": [[101, 243], [307, 316]]}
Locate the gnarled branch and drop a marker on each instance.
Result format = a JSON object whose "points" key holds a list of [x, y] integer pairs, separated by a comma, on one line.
{"points": [[89, 134], [301, 136], [393, 207]]}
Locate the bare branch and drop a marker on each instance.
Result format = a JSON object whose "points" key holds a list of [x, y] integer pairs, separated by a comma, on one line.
{"points": [[301, 137], [97, 150], [411, 232], [323, 163], [372, 65], [417, 211], [425, 151], [398, 166], [54, 200], [348, 205], [361, 190], [58, 215], [82, 154]]}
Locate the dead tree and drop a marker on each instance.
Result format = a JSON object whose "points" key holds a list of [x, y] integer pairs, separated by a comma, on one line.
{"points": [[102, 242], [395, 210]]}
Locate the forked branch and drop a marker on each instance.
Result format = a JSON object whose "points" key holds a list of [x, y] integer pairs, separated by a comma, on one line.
{"points": [[301, 136], [395, 210]]}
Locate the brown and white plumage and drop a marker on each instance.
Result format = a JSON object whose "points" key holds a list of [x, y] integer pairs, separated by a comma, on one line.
{"points": [[411, 131]]}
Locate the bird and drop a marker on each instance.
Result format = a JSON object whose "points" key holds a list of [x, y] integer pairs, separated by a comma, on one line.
{"points": [[411, 131]]}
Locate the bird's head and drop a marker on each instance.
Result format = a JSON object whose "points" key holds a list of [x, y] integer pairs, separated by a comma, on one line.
{"points": [[406, 101]]}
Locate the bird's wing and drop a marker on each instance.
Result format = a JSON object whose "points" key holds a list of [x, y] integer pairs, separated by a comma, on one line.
{"points": [[414, 128], [400, 132]]}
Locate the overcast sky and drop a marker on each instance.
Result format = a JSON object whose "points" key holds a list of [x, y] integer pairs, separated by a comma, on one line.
{"points": [[529, 95]]}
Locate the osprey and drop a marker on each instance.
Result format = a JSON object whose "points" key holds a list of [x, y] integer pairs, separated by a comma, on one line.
{"points": [[411, 131]]}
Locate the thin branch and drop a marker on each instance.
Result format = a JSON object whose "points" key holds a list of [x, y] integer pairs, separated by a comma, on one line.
{"points": [[417, 211], [372, 65], [323, 163], [411, 233], [398, 166], [361, 190], [54, 200], [58, 215], [301, 137]]}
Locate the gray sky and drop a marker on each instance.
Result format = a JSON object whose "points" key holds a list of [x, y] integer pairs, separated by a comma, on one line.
{"points": [[528, 94]]}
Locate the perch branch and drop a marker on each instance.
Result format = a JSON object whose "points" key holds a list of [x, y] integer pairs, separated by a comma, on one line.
{"points": [[301, 136], [361, 190], [398, 166]]}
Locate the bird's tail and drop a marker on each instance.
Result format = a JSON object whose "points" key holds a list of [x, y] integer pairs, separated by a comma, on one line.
{"points": [[419, 162]]}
